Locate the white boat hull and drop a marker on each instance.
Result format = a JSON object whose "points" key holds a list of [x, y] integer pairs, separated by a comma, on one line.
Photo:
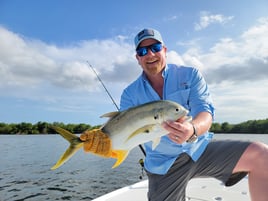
{"points": [[205, 189]]}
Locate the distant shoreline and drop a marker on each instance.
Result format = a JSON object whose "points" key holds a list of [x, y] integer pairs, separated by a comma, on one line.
{"points": [[247, 127]]}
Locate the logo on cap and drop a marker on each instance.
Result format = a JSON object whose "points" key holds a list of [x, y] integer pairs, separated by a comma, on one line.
{"points": [[145, 34]]}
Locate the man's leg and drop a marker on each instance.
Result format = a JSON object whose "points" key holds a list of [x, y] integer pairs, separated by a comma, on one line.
{"points": [[171, 186], [255, 161]]}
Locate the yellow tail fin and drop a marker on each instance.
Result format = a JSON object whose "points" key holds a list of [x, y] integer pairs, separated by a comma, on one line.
{"points": [[75, 145], [120, 155]]}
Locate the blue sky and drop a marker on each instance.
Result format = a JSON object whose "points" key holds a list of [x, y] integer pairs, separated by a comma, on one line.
{"points": [[44, 46]]}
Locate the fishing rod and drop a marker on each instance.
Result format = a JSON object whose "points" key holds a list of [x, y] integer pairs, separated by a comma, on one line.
{"points": [[103, 86], [89, 65]]}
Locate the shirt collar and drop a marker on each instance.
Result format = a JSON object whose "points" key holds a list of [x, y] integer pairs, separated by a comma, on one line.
{"points": [[165, 72]]}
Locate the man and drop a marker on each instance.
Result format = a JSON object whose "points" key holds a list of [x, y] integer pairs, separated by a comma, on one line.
{"points": [[187, 151]]}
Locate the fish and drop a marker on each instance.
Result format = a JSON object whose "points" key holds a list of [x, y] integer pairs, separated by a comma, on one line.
{"points": [[123, 131]]}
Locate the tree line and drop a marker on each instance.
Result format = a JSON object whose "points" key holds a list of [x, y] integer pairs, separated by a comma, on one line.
{"points": [[42, 128], [251, 126]]}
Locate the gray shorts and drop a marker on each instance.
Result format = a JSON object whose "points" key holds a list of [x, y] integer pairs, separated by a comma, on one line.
{"points": [[217, 161]]}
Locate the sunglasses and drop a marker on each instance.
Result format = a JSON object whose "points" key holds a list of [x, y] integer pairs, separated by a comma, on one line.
{"points": [[142, 51]]}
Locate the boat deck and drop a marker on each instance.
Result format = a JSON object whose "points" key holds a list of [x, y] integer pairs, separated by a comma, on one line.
{"points": [[198, 189]]}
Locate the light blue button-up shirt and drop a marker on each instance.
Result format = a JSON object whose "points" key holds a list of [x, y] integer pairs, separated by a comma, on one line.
{"points": [[186, 86]]}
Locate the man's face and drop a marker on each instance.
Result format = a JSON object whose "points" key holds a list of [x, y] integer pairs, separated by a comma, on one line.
{"points": [[153, 62]]}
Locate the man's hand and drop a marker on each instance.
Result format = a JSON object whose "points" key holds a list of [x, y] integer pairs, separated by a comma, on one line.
{"points": [[179, 131]]}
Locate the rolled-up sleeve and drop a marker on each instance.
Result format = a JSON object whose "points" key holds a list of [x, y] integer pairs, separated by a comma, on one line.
{"points": [[199, 98]]}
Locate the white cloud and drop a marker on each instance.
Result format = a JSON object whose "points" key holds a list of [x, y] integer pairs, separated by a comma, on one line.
{"points": [[174, 57], [206, 19], [58, 78], [239, 58], [236, 103], [30, 63], [237, 72], [235, 68]]}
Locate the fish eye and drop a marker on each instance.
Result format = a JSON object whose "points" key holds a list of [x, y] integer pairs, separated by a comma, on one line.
{"points": [[177, 109]]}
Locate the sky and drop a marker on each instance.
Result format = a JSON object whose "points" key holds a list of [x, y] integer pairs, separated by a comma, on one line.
{"points": [[46, 48]]}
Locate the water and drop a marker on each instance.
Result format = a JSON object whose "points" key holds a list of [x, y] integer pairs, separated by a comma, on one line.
{"points": [[25, 174]]}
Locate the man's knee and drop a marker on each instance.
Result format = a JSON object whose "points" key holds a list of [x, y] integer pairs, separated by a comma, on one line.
{"points": [[255, 156]]}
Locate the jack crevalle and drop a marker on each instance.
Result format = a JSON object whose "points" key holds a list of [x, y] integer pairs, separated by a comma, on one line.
{"points": [[124, 131]]}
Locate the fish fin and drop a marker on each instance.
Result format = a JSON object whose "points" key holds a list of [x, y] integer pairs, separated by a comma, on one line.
{"points": [[145, 129], [120, 155], [156, 142], [97, 142], [110, 114], [75, 145]]}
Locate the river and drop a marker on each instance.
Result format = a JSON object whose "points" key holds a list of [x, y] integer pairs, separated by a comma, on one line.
{"points": [[25, 174]]}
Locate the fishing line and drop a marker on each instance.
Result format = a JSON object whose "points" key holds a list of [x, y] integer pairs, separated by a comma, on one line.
{"points": [[103, 85]]}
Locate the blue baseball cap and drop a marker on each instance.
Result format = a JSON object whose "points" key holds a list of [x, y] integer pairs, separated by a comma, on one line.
{"points": [[145, 34]]}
